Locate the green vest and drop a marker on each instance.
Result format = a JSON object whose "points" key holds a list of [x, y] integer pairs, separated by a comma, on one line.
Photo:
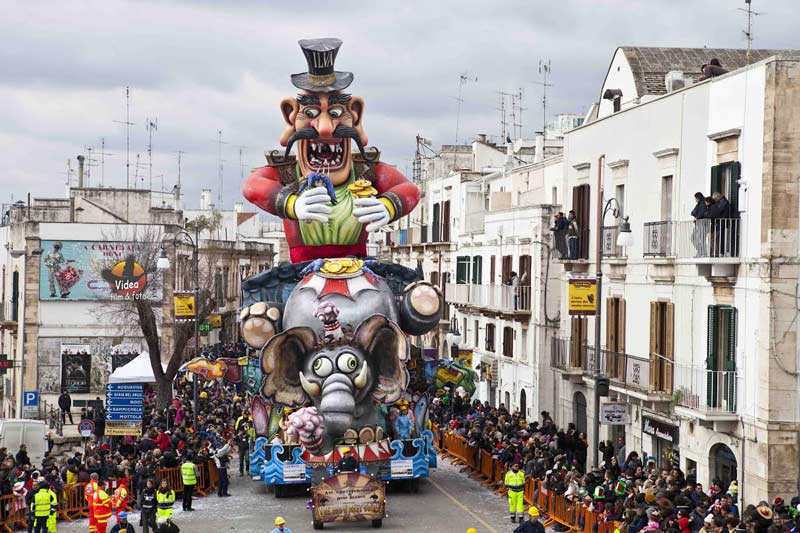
{"points": [[41, 503], [187, 473]]}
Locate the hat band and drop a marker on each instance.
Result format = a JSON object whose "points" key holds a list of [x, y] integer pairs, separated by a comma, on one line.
{"points": [[321, 81]]}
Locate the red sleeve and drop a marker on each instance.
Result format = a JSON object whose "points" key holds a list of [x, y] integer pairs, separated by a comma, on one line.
{"points": [[262, 187], [392, 184]]}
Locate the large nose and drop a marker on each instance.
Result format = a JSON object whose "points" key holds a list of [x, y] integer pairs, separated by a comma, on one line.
{"points": [[324, 125]]}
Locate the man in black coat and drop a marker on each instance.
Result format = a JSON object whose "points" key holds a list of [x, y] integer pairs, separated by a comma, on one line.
{"points": [[65, 404]]}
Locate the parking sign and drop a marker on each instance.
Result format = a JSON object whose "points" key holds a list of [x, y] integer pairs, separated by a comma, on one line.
{"points": [[30, 404]]}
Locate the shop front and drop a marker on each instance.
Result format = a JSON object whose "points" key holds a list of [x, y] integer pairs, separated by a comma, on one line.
{"points": [[663, 441]]}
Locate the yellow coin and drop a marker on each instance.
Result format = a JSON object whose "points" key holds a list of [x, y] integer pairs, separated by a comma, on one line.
{"points": [[353, 187], [363, 184], [334, 267], [367, 193]]}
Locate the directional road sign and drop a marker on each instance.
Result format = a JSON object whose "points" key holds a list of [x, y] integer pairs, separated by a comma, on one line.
{"points": [[124, 402]]}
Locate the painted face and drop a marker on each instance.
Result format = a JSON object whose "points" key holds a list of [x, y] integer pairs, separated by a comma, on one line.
{"points": [[322, 125]]}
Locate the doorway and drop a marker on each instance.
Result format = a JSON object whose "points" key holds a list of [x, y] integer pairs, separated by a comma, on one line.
{"points": [[523, 404], [580, 412], [722, 465]]}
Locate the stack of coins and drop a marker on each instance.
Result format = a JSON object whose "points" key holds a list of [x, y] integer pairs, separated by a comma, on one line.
{"points": [[362, 189]]}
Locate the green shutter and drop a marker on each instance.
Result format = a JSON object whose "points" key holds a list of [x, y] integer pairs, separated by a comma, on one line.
{"points": [[716, 179], [711, 357], [730, 360], [477, 274], [736, 170]]}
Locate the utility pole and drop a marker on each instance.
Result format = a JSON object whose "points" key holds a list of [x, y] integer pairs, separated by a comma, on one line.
{"points": [[128, 125], [463, 78], [180, 153]]}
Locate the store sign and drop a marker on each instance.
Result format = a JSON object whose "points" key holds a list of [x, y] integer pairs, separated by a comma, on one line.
{"points": [[614, 414], [215, 321], [95, 270], [582, 296], [184, 305], [659, 430]]}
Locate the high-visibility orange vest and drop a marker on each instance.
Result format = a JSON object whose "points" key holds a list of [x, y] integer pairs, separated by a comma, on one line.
{"points": [[102, 505], [120, 497], [88, 492]]}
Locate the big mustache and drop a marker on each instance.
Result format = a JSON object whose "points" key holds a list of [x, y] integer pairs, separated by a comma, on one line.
{"points": [[341, 132]]}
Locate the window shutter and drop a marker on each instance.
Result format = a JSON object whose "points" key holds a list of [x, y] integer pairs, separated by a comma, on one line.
{"points": [[654, 382], [669, 345], [711, 357], [492, 270], [477, 268], [621, 325], [729, 377], [733, 187], [716, 179], [574, 342], [611, 326]]}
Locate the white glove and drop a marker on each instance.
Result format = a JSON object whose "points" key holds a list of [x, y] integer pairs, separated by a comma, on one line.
{"points": [[372, 212], [312, 204]]}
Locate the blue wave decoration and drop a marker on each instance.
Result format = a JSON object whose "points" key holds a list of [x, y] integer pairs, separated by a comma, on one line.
{"points": [[431, 449], [258, 457], [420, 462], [272, 471]]}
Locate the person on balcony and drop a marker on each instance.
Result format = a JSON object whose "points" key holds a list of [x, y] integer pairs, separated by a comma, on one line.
{"points": [[698, 234], [559, 229], [572, 235], [513, 282], [721, 214]]}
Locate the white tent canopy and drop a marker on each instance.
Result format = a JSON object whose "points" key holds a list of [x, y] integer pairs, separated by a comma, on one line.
{"points": [[138, 370]]}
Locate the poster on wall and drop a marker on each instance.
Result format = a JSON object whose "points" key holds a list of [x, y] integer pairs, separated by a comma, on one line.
{"points": [[95, 270], [76, 368], [582, 296]]}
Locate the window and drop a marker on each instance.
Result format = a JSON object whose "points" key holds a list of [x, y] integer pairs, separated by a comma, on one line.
{"points": [[490, 338], [462, 269], [581, 201], [721, 357], [725, 180], [435, 278], [662, 321], [477, 270], [615, 338], [507, 268], [617, 103], [446, 221], [218, 294], [435, 224], [476, 335], [508, 341], [524, 270], [577, 342], [619, 195], [226, 285], [666, 198], [492, 270]]}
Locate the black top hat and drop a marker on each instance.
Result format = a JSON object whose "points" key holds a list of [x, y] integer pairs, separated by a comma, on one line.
{"points": [[321, 78]]}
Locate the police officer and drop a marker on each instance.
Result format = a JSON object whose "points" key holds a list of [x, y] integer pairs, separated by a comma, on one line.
{"points": [[515, 484], [189, 473], [148, 497]]}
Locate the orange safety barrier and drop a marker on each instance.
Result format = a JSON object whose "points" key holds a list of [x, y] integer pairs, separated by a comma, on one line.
{"points": [[527, 492], [72, 502], [499, 477], [486, 468], [12, 515], [173, 477]]}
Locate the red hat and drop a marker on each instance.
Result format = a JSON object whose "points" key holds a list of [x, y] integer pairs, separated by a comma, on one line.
{"points": [[777, 501]]}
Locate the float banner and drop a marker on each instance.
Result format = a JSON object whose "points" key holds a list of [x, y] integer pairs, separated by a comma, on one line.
{"points": [[350, 497], [582, 296], [95, 270], [76, 371]]}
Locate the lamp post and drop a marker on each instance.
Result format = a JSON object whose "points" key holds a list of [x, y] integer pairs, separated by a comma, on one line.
{"points": [[624, 239], [453, 337], [163, 264]]}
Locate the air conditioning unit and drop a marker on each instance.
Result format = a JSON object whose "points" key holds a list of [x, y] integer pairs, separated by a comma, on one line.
{"points": [[675, 80]]}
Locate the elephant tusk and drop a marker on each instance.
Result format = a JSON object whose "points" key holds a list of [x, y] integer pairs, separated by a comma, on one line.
{"points": [[361, 379], [311, 388]]}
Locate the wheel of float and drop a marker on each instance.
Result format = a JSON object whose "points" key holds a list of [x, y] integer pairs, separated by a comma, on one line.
{"points": [[318, 524], [377, 523]]}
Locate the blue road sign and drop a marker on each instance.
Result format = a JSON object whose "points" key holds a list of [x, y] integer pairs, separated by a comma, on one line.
{"points": [[124, 402], [30, 398]]}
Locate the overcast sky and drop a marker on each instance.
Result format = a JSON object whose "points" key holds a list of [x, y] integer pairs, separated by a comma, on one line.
{"points": [[204, 66]]}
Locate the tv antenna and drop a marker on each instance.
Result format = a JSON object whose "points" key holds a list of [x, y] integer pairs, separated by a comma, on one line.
{"points": [[748, 33], [422, 145], [180, 153], [90, 162], [544, 71], [242, 150], [103, 155], [138, 165], [151, 126], [463, 78], [128, 125], [220, 142]]}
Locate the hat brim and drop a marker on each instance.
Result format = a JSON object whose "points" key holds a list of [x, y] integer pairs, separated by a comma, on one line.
{"points": [[765, 512], [343, 81]]}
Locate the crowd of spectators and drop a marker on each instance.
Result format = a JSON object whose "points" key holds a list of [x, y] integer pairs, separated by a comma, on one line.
{"points": [[169, 439], [629, 487]]}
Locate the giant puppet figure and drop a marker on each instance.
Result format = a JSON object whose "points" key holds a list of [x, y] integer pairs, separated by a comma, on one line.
{"points": [[332, 327]]}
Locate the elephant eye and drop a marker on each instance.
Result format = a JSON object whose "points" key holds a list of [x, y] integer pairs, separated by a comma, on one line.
{"points": [[347, 362], [323, 367]]}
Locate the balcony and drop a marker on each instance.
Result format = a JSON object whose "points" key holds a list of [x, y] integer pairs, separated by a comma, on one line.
{"points": [[503, 299], [416, 236], [567, 358], [647, 379], [709, 395], [610, 248], [658, 239]]}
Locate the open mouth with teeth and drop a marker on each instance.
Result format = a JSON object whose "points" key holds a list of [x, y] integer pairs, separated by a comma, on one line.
{"points": [[326, 155]]}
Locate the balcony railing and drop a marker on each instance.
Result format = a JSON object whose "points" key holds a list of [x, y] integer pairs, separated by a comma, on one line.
{"points": [[503, 298], [658, 239], [565, 355], [713, 391], [651, 376], [708, 238], [409, 236], [610, 248]]}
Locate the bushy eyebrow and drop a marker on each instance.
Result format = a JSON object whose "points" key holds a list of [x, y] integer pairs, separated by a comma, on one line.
{"points": [[339, 98], [307, 99]]}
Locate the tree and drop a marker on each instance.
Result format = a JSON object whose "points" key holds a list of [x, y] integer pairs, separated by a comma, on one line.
{"points": [[147, 311]]}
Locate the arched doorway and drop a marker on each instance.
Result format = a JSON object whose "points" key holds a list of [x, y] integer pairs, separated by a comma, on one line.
{"points": [[507, 401], [722, 465], [580, 412], [523, 404]]}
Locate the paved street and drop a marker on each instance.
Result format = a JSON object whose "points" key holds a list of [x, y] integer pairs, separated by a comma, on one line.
{"points": [[449, 502]]}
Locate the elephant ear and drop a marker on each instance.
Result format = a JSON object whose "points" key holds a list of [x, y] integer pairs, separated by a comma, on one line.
{"points": [[386, 348], [281, 363]]}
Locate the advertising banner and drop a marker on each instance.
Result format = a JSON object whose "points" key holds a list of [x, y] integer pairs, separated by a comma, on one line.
{"points": [[614, 414], [294, 473], [582, 296], [76, 368], [95, 270], [349, 497], [183, 303]]}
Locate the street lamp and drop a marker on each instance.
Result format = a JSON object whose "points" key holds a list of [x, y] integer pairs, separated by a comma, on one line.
{"points": [[624, 239], [453, 337], [163, 265]]}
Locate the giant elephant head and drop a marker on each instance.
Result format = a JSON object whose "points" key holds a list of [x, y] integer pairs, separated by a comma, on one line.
{"points": [[341, 378]]}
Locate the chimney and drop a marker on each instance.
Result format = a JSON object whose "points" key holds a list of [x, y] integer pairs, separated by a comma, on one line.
{"points": [[238, 207], [80, 171], [482, 137], [205, 199], [539, 149]]}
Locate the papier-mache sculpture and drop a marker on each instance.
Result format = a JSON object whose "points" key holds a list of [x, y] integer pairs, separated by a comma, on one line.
{"points": [[332, 326]]}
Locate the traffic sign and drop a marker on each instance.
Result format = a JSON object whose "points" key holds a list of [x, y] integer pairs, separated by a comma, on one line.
{"points": [[86, 428], [124, 402], [30, 404]]}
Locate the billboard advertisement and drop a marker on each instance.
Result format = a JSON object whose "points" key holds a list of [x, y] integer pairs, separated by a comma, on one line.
{"points": [[76, 368], [582, 296], [95, 270]]}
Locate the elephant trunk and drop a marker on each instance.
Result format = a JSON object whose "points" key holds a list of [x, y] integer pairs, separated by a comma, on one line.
{"points": [[338, 404]]}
